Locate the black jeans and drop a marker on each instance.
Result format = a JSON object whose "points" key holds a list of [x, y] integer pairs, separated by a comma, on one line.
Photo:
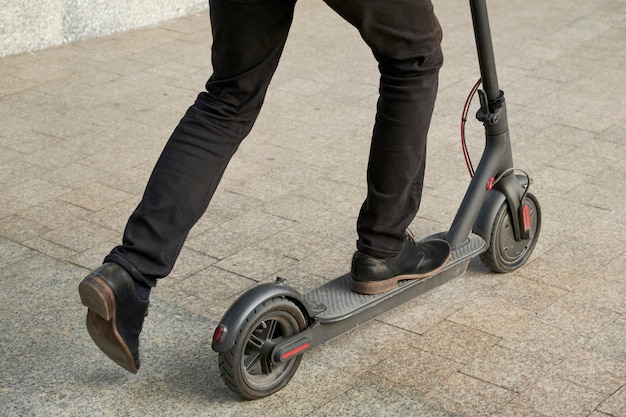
{"points": [[248, 39]]}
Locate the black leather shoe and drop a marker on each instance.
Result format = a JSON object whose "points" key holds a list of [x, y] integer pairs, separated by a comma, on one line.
{"points": [[416, 260], [115, 314]]}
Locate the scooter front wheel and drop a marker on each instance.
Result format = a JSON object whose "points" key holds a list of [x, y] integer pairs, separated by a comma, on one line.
{"points": [[247, 368], [505, 254]]}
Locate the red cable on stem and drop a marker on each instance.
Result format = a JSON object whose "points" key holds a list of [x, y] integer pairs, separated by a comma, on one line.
{"points": [[468, 163]]}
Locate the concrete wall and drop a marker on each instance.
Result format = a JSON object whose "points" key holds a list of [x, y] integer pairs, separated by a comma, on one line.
{"points": [[29, 25]]}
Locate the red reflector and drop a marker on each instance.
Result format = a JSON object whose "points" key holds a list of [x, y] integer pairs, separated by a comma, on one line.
{"points": [[526, 217], [490, 183], [294, 351], [218, 333]]}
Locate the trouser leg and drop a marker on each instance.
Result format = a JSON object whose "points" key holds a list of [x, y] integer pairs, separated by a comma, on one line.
{"points": [[248, 39], [405, 38]]}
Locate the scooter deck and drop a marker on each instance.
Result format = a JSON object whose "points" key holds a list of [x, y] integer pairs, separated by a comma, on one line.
{"points": [[342, 303]]}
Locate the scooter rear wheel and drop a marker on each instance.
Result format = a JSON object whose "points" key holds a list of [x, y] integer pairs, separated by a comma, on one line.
{"points": [[247, 368], [505, 254]]}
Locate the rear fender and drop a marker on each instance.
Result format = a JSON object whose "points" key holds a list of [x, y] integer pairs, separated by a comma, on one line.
{"points": [[227, 330]]}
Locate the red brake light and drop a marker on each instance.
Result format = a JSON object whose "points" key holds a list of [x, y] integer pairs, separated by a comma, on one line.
{"points": [[218, 333]]}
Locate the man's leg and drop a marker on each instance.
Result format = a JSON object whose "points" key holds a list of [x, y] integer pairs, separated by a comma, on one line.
{"points": [[405, 38], [248, 39]]}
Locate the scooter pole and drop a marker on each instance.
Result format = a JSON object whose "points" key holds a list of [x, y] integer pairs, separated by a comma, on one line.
{"points": [[497, 157], [484, 47]]}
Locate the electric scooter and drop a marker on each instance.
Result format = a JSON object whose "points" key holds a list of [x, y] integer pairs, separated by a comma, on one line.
{"points": [[261, 338]]}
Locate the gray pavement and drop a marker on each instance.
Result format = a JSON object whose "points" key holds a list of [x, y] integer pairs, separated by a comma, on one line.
{"points": [[82, 125]]}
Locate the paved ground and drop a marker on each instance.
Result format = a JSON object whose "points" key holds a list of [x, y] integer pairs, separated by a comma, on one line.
{"points": [[81, 126]]}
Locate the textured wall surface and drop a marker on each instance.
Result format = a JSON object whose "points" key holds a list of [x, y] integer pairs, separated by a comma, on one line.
{"points": [[26, 25]]}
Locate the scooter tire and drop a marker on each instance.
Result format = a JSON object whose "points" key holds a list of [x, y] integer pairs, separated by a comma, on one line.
{"points": [[505, 254], [247, 368]]}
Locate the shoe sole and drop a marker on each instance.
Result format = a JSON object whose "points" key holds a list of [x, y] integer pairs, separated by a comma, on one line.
{"points": [[377, 287], [99, 299]]}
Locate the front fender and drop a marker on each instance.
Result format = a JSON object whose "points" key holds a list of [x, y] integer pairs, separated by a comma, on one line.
{"points": [[483, 226], [486, 217], [234, 318]]}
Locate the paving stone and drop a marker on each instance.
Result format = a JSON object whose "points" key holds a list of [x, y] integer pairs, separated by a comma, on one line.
{"points": [[190, 262], [376, 399], [593, 370], [490, 316], [14, 169], [332, 261], [95, 197], [92, 257], [49, 248], [464, 395], [464, 289], [19, 229], [114, 217], [81, 236], [296, 207], [565, 228], [308, 237], [577, 317], [610, 295], [575, 269], [549, 343], [72, 175], [360, 349], [255, 263], [598, 414], [418, 316], [526, 294], [555, 397], [209, 291], [10, 84], [12, 252], [414, 371], [616, 404], [223, 240], [455, 342], [611, 341], [54, 214], [508, 368], [550, 181], [33, 192]]}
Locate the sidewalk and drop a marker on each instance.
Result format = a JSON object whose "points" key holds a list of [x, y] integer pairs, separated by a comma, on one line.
{"points": [[82, 125]]}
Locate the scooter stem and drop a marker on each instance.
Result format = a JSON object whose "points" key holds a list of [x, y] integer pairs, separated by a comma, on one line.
{"points": [[484, 47], [497, 156]]}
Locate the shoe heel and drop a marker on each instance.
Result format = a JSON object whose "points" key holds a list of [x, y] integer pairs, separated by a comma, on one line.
{"points": [[373, 287], [96, 295]]}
